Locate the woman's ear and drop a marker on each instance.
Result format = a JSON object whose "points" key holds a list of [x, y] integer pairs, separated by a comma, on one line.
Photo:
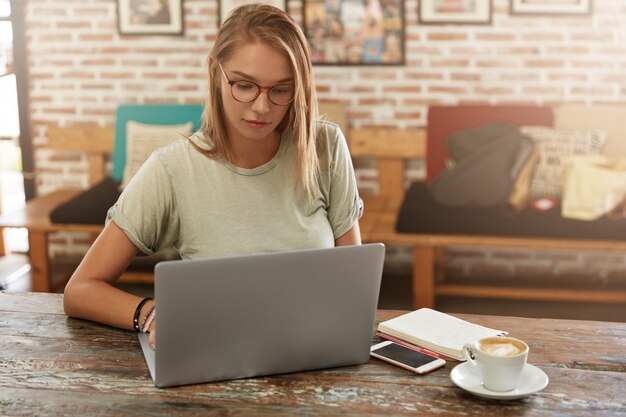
{"points": [[211, 62]]}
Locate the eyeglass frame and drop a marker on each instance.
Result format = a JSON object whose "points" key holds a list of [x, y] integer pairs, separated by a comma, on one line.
{"points": [[260, 89]]}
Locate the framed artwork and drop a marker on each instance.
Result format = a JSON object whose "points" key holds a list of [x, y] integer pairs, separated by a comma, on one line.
{"points": [[150, 17], [454, 11], [226, 6], [355, 32], [551, 7]]}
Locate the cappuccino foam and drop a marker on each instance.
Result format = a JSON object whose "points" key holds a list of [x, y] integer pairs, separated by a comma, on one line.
{"points": [[502, 347]]}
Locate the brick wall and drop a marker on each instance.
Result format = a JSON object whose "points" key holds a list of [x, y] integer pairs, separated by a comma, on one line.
{"points": [[81, 69]]}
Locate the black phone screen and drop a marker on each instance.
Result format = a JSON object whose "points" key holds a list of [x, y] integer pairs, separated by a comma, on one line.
{"points": [[405, 355]]}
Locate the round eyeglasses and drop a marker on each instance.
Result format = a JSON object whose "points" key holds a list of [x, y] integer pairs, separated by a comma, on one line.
{"points": [[248, 91]]}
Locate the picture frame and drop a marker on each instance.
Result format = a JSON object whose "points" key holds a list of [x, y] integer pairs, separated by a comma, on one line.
{"points": [[150, 17], [469, 12], [551, 7], [226, 6], [355, 32]]}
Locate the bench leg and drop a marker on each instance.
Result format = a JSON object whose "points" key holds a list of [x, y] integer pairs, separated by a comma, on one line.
{"points": [[39, 262], [2, 252], [423, 276]]}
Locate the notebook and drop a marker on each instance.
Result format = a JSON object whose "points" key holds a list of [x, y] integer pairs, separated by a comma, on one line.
{"points": [[436, 331], [253, 315]]}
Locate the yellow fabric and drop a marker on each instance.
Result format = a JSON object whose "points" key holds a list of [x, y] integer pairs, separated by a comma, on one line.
{"points": [[518, 198], [593, 186]]}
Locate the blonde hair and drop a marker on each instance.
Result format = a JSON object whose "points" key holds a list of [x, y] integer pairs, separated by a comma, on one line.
{"points": [[267, 24]]}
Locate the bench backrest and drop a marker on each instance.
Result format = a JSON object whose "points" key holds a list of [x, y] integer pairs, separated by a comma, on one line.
{"points": [[390, 148], [96, 142]]}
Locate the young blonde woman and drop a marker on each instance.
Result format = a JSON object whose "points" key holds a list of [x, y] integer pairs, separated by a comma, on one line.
{"points": [[262, 174]]}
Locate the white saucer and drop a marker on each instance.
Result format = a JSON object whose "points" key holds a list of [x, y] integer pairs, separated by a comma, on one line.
{"points": [[532, 380]]}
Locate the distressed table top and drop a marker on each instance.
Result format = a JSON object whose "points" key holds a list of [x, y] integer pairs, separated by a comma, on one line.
{"points": [[53, 365]]}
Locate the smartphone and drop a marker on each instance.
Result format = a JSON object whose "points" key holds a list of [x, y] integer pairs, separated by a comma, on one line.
{"points": [[406, 358]]}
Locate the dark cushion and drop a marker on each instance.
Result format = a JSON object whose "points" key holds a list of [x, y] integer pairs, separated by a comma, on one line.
{"points": [[484, 157], [420, 213], [89, 207], [444, 120]]}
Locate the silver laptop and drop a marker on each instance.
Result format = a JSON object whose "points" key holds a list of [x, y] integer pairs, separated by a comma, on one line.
{"points": [[273, 313]]}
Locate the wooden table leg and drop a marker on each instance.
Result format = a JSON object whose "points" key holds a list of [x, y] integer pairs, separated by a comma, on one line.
{"points": [[423, 276], [39, 261]]}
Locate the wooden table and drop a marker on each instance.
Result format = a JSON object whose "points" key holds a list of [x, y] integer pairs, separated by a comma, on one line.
{"points": [[52, 365]]}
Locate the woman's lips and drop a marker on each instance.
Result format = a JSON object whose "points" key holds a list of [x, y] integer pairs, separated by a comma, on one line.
{"points": [[256, 124]]}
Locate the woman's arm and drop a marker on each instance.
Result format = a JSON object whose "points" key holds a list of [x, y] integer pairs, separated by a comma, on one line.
{"points": [[351, 237], [90, 294]]}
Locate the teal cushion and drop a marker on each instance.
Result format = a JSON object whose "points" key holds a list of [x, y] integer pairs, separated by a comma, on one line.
{"points": [[156, 114]]}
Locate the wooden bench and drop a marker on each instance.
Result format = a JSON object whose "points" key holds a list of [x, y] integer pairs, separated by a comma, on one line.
{"points": [[97, 144], [391, 148]]}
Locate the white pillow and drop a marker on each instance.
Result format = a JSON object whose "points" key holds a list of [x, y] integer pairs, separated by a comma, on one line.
{"points": [[143, 139], [554, 144], [609, 118]]}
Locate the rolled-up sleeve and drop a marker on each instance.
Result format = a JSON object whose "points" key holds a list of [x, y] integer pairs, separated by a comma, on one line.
{"points": [[344, 205], [146, 210]]}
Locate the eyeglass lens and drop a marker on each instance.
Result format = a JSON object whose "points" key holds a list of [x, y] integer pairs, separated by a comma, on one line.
{"points": [[247, 91]]}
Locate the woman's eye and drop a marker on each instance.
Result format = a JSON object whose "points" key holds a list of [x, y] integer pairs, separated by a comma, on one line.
{"points": [[282, 89], [244, 85]]}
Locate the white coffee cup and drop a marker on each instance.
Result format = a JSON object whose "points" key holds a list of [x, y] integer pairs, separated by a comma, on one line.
{"points": [[499, 361]]}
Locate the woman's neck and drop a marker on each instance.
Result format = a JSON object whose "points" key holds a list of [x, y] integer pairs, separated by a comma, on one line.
{"points": [[253, 153]]}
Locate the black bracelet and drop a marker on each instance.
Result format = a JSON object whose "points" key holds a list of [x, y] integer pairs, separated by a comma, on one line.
{"points": [[137, 313], [145, 318]]}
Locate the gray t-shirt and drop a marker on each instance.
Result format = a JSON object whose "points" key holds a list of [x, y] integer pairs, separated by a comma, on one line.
{"points": [[205, 207]]}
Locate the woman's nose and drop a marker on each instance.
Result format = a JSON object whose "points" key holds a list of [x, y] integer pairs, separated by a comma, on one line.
{"points": [[262, 103]]}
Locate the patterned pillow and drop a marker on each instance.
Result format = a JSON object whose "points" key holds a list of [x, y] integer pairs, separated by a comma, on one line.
{"points": [[554, 144], [143, 139]]}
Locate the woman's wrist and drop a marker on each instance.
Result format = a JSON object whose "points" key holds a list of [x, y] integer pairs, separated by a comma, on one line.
{"points": [[140, 312]]}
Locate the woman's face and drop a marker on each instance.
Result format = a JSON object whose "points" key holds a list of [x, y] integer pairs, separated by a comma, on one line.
{"points": [[261, 64]]}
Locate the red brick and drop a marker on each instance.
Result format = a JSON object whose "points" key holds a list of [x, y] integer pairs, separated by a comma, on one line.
{"points": [[450, 63], [534, 36], [458, 76], [95, 37], [499, 37], [486, 90], [544, 63], [110, 75], [402, 89], [407, 115], [447, 89], [410, 75], [447, 37], [356, 89]]}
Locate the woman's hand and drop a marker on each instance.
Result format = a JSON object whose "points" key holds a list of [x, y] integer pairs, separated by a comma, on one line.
{"points": [[152, 338]]}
